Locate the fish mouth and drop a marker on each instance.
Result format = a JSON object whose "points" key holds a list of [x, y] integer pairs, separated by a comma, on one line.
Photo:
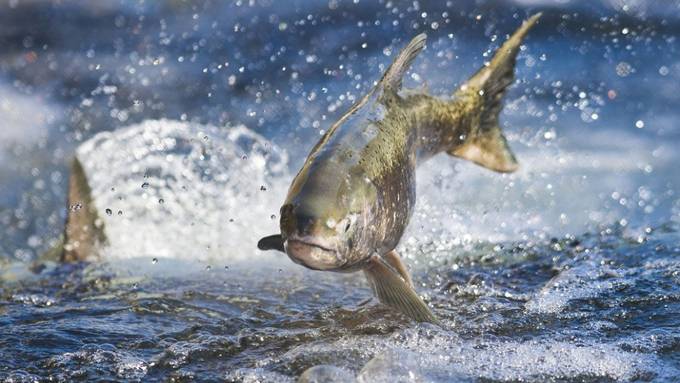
{"points": [[312, 253]]}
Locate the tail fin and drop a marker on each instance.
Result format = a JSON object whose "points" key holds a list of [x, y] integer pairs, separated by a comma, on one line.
{"points": [[84, 229], [488, 147]]}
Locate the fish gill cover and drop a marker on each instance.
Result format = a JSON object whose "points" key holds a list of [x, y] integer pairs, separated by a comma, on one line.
{"points": [[564, 271]]}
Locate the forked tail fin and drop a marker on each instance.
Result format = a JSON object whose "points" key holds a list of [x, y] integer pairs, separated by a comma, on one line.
{"points": [[487, 146]]}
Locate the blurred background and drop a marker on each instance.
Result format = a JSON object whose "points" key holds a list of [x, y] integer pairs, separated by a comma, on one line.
{"points": [[567, 270]]}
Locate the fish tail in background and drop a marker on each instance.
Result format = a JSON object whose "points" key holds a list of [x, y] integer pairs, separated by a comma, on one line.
{"points": [[486, 145], [84, 231]]}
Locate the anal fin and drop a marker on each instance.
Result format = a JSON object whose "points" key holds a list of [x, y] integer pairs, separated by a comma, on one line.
{"points": [[395, 292]]}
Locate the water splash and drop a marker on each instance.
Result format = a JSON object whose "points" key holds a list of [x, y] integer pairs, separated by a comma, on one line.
{"points": [[218, 186]]}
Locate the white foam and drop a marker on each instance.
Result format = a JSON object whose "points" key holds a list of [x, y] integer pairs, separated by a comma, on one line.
{"points": [[122, 363], [586, 279], [429, 354]]}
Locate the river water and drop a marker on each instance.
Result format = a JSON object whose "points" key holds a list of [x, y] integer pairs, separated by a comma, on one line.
{"points": [[190, 119]]}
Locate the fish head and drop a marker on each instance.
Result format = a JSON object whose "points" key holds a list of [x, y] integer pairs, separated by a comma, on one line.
{"points": [[329, 229]]}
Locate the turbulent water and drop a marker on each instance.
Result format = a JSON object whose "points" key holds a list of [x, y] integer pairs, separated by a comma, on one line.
{"points": [[190, 119]]}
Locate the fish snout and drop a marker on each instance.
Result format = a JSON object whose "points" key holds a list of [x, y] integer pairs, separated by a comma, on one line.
{"points": [[313, 253], [296, 222]]}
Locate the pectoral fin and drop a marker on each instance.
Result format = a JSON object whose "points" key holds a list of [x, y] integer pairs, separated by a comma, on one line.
{"points": [[392, 290], [397, 264], [272, 242]]}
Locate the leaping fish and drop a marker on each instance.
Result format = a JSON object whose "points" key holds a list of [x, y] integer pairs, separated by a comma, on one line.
{"points": [[351, 201]]}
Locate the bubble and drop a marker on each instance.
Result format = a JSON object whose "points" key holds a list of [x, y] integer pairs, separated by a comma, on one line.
{"points": [[623, 69]]}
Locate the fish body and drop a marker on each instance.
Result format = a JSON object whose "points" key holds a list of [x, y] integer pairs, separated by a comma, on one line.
{"points": [[351, 201]]}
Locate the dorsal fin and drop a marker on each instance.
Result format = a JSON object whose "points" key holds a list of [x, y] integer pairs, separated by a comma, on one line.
{"points": [[395, 73], [390, 80]]}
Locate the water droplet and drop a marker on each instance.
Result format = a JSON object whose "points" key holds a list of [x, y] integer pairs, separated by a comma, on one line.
{"points": [[161, 201], [120, 212], [226, 267], [263, 188], [109, 212], [208, 268], [273, 216], [639, 124], [145, 185], [154, 261], [623, 69]]}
